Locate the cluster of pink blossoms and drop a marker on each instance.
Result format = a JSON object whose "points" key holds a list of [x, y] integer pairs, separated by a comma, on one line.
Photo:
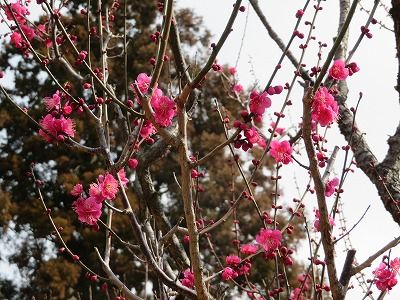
{"points": [[340, 71], [325, 110], [385, 275], [57, 127], [20, 13], [236, 267], [164, 107], [258, 104], [249, 138], [88, 208], [188, 278], [298, 293], [271, 242], [324, 107], [56, 122]]}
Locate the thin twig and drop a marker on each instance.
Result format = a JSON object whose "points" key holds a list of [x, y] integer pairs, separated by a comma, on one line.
{"points": [[354, 226]]}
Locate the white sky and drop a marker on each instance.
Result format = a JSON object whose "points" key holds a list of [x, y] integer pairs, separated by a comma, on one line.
{"points": [[378, 114]]}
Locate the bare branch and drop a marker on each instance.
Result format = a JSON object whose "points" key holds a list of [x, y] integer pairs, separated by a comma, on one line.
{"points": [[228, 29], [114, 279], [346, 272], [368, 262], [221, 146], [275, 37]]}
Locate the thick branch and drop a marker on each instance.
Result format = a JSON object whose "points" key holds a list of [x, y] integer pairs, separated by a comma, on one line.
{"points": [[346, 272], [144, 247], [180, 63], [190, 217], [326, 237], [155, 207]]}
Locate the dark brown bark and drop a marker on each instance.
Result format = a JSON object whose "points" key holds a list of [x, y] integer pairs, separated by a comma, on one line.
{"points": [[384, 175]]}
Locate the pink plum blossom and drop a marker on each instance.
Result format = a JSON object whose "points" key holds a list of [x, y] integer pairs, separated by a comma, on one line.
{"points": [[252, 135], [188, 279], [16, 40], [385, 277], [248, 249], [324, 107], [53, 101], [233, 260], [395, 264], [339, 71], [28, 31], [259, 102], [95, 192], [56, 127], [229, 274], [281, 151], [326, 115], [109, 186], [77, 190], [19, 11], [157, 94], [321, 98], [147, 129], [270, 240], [252, 138], [330, 186], [64, 126], [88, 210], [143, 82], [106, 187], [122, 176], [237, 88], [164, 110], [244, 268]]}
